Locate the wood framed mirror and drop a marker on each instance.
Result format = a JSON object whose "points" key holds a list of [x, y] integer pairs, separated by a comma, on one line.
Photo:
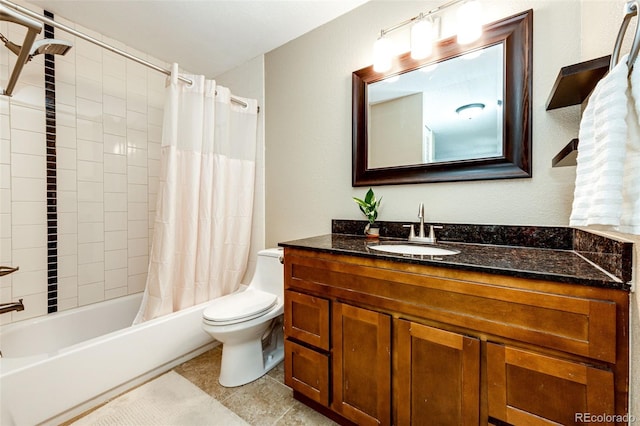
{"points": [[406, 132]]}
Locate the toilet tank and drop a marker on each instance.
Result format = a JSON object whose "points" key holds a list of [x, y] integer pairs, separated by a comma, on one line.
{"points": [[269, 273]]}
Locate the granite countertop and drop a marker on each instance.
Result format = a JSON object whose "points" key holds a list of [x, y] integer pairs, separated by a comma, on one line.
{"points": [[560, 265]]}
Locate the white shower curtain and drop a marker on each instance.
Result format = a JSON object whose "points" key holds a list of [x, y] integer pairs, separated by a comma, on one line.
{"points": [[202, 228]]}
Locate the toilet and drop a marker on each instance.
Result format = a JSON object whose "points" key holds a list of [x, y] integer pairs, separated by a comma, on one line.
{"points": [[248, 323]]}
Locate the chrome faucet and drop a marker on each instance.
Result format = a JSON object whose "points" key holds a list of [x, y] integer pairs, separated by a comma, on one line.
{"points": [[421, 238], [13, 306], [421, 217]]}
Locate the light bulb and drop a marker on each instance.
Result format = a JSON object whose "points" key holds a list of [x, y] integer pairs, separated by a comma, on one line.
{"points": [[421, 39], [382, 54], [469, 22]]}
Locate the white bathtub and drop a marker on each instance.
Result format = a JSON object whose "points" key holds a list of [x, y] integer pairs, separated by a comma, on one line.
{"points": [[58, 366]]}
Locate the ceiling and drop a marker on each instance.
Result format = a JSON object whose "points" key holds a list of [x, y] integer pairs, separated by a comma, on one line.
{"points": [[206, 37]]}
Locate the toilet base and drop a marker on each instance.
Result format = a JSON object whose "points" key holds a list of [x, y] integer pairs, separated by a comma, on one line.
{"points": [[245, 362]]}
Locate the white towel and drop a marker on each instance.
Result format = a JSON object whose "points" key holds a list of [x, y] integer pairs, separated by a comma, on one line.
{"points": [[598, 195], [630, 218]]}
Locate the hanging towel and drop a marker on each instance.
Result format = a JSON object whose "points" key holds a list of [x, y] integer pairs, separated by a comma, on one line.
{"points": [[598, 195], [630, 218]]}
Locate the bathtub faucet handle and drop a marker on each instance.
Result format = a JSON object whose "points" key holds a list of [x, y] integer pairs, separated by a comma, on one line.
{"points": [[6, 270]]}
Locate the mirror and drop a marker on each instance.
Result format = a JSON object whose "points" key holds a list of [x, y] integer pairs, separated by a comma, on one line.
{"points": [[447, 111], [408, 124]]}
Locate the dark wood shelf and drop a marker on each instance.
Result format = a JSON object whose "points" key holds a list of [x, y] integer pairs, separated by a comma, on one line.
{"points": [[575, 82], [567, 156], [573, 85]]}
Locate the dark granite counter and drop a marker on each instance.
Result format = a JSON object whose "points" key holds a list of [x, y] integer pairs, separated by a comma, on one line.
{"points": [[560, 265]]}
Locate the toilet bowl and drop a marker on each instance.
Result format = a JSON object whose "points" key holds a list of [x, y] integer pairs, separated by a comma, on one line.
{"points": [[248, 323]]}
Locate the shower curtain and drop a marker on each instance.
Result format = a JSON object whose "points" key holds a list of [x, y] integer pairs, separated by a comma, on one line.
{"points": [[202, 228]]}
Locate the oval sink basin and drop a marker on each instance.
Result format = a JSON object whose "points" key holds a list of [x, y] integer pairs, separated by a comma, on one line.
{"points": [[410, 249]]}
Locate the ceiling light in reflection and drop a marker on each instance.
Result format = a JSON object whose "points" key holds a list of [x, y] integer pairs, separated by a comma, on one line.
{"points": [[470, 110]]}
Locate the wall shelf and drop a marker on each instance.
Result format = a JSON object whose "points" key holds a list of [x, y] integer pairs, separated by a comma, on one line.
{"points": [[567, 156], [573, 86], [576, 82]]}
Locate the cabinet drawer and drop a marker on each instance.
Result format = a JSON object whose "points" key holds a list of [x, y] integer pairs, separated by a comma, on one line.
{"points": [[306, 318], [530, 388], [307, 372]]}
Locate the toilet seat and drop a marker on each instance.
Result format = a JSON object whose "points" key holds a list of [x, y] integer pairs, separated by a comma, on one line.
{"points": [[239, 307]]}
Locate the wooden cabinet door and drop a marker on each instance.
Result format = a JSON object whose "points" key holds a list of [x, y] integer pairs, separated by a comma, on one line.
{"points": [[361, 365], [437, 376], [527, 388]]}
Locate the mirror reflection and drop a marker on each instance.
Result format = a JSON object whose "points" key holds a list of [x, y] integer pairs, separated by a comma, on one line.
{"points": [[440, 112]]}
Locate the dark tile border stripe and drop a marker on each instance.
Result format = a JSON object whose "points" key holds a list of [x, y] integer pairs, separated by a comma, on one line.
{"points": [[52, 195]]}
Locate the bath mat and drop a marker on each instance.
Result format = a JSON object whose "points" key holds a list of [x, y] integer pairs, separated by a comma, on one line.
{"points": [[169, 400]]}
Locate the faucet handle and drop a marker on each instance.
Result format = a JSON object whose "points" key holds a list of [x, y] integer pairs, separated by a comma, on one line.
{"points": [[412, 232], [432, 233]]}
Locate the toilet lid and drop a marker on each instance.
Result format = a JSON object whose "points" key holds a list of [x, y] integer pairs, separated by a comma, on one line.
{"points": [[247, 304]]}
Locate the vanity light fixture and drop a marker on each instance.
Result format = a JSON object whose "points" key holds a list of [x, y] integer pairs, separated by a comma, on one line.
{"points": [[422, 37], [382, 54], [469, 26], [424, 33], [470, 110]]}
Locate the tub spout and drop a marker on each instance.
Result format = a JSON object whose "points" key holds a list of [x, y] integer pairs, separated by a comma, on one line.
{"points": [[13, 306]]}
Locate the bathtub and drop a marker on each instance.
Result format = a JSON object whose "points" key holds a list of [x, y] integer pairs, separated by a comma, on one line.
{"points": [[58, 366]]}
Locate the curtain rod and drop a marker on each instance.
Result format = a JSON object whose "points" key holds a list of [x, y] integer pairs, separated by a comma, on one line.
{"points": [[101, 44]]}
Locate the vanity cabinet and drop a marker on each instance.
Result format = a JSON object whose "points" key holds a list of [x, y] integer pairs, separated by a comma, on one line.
{"points": [[374, 341]]}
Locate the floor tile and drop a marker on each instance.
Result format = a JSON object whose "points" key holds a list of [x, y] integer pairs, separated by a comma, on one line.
{"points": [[203, 371], [261, 402], [300, 414], [277, 372]]}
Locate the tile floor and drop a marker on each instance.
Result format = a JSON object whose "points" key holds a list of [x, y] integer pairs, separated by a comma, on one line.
{"points": [[266, 401]]}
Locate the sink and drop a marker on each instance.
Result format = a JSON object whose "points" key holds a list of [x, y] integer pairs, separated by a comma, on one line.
{"points": [[410, 249]]}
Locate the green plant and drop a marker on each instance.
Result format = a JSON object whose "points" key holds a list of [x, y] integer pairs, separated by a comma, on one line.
{"points": [[369, 206]]}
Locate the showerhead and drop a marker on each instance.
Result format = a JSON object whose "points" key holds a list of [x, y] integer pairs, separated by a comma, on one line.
{"points": [[50, 46], [33, 28]]}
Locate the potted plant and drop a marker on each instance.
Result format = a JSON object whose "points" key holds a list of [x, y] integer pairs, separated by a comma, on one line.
{"points": [[369, 207]]}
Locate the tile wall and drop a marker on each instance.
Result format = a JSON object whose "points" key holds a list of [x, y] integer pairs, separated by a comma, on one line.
{"points": [[107, 133]]}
